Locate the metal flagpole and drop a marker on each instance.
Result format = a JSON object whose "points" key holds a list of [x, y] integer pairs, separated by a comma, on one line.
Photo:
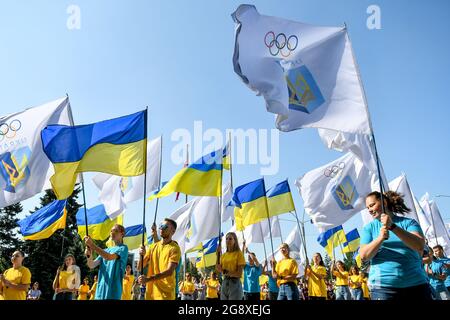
{"points": [[370, 124], [159, 183], [186, 201], [268, 216], [143, 287], [301, 232]]}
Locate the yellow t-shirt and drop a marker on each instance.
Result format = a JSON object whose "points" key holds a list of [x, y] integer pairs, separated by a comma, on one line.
{"points": [[365, 288], [83, 291], [286, 267], [187, 287], [127, 284], [341, 278], [63, 277], [93, 289], [212, 292], [160, 255], [231, 260], [316, 286], [355, 278], [21, 275]]}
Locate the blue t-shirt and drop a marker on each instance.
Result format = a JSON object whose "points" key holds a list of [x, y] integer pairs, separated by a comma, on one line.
{"points": [[272, 284], [110, 274], [177, 277], [395, 265], [438, 268], [251, 278], [447, 271]]}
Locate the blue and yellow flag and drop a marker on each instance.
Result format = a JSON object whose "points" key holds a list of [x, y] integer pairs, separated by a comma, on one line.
{"points": [[201, 178], [207, 256], [331, 239], [99, 224], [352, 243], [226, 154], [44, 222], [279, 199], [115, 146], [251, 204], [133, 237]]}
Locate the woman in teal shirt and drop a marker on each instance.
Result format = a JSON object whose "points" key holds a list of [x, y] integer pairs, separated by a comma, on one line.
{"points": [[394, 246]]}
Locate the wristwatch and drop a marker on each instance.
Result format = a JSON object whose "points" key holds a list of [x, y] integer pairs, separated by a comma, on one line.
{"points": [[392, 227]]}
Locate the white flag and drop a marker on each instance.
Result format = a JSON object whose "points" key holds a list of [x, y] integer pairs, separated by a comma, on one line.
{"points": [[25, 170], [306, 73], [199, 221], [227, 210], [400, 185], [256, 233], [116, 192], [333, 193], [424, 222]]}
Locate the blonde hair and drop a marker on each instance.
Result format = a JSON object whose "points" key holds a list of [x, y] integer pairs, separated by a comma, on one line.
{"points": [[236, 243]]}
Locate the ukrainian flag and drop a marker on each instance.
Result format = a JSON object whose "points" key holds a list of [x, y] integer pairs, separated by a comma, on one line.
{"points": [[251, 204], [201, 178], [99, 224], [279, 199], [208, 257], [332, 238], [227, 156], [133, 236], [44, 222], [352, 243], [115, 146]]}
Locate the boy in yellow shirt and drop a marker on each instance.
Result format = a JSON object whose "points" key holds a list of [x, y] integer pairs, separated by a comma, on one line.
{"points": [[15, 282]]}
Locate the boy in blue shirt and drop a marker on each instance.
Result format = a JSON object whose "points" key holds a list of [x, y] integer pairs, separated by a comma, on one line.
{"points": [[252, 271], [438, 274], [112, 262]]}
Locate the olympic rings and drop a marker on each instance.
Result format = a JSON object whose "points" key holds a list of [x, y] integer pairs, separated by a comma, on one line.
{"points": [[9, 131], [334, 170], [277, 43]]}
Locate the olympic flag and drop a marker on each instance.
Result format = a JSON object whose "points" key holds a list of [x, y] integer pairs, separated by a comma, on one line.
{"points": [[333, 193], [306, 73], [25, 170]]}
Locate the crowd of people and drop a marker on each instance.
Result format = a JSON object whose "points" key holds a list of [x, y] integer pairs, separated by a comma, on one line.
{"points": [[401, 266]]}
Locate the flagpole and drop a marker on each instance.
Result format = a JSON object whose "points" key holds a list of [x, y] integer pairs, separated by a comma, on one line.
{"points": [[268, 216], [231, 174], [145, 189], [159, 182], [186, 201], [370, 123], [72, 122]]}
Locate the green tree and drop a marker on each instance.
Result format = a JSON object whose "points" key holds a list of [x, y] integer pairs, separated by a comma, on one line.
{"points": [[9, 240], [45, 256]]}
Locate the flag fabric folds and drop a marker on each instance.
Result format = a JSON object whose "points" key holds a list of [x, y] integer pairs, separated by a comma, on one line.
{"points": [[352, 243], [99, 224], [25, 170], [251, 204], [201, 178], [133, 236], [116, 192], [333, 193], [306, 73], [207, 256], [279, 199], [331, 239], [45, 221], [357, 258], [115, 146], [197, 221]]}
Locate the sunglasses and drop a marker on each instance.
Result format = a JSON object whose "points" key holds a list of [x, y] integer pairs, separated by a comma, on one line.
{"points": [[163, 226]]}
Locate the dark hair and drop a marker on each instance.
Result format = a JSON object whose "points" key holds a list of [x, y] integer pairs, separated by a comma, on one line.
{"points": [[172, 222], [394, 201], [321, 260], [438, 246], [356, 268], [343, 265], [121, 228]]}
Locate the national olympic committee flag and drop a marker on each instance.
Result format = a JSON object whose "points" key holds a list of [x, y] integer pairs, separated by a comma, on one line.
{"points": [[333, 193], [115, 146], [306, 73], [25, 170]]}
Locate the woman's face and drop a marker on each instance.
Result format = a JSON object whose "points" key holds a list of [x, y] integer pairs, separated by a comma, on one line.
{"points": [[17, 258], [316, 259], [68, 261], [374, 206], [284, 250], [128, 269], [340, 266], [35, 286], [229, 241]]}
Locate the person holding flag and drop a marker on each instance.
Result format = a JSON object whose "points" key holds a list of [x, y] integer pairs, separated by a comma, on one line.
{"points": [[285, 272], [252, 271], [15, 281], [162, 258], [67, 279], [338, 270], [394, 245], [111, 262], [231, 265], [316, 274]]}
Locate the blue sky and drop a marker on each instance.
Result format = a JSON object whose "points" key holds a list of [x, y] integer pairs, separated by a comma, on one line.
{"points": [[175, 57]]}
